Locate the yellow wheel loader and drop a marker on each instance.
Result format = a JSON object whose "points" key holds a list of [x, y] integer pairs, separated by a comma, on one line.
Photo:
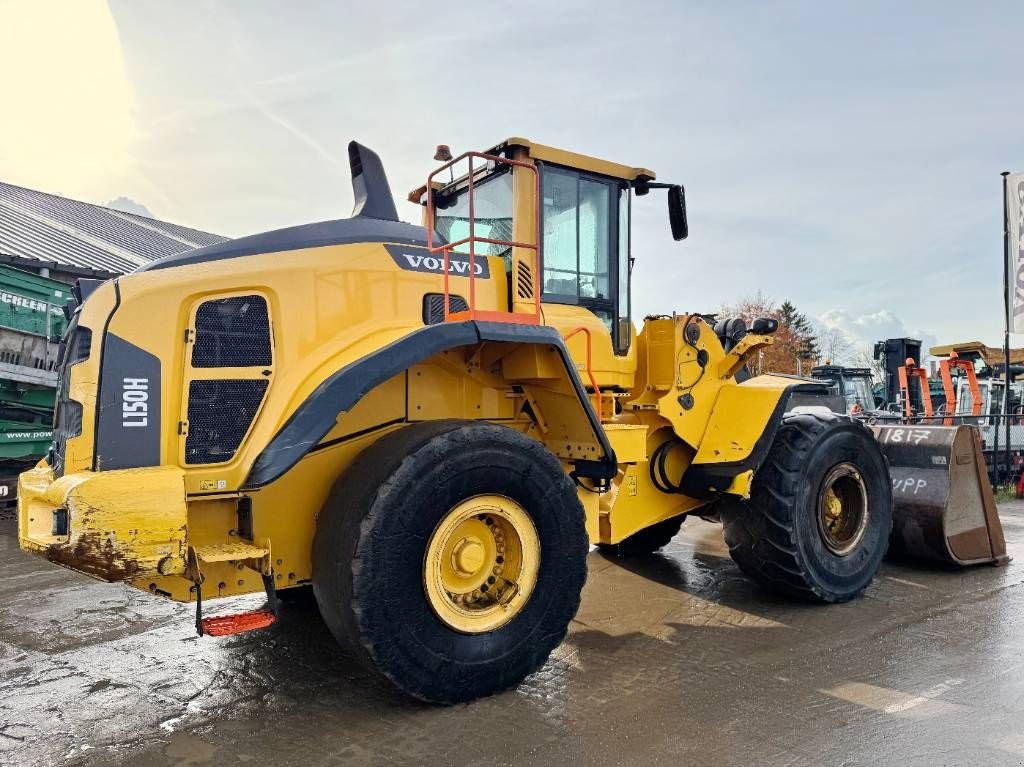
{"points": [[430, 424]]}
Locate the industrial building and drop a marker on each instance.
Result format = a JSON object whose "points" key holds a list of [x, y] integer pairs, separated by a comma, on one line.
{"points": [[46, 243]]}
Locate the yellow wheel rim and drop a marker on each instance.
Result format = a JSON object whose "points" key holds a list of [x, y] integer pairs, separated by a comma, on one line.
{"points": [[481, 564], [843, 509]]}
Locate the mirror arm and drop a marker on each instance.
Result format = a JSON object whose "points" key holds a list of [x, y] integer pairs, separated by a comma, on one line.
{"points": [[643, 185]]}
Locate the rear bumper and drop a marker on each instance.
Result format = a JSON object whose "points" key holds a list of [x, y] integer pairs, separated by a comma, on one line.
{"points": [[112, 525]]}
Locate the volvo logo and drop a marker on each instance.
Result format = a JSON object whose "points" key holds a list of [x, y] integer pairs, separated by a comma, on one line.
{"points": [[415, 259]]}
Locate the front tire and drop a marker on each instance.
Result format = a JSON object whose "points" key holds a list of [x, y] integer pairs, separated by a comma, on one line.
{"points": [[450, 557], [820, 512]]}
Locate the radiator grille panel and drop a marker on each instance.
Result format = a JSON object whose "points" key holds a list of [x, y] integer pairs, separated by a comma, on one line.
{"points": [[232, 332], [433, 307], [219, 415]]}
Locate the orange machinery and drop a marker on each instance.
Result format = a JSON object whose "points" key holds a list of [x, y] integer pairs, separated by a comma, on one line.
{"points": [[907, 372], [946, 372]]}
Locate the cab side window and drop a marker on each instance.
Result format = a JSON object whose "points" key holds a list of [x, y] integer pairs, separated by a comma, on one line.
{"points": [[576, 236]]}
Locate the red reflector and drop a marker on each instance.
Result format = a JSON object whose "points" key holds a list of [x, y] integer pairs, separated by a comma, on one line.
{"points": [[223, 625]]}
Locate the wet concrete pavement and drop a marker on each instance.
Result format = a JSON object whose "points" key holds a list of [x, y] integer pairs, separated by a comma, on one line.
{"points": [[674, 659]]}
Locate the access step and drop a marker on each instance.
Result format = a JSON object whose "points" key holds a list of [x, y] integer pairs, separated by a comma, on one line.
{"points": [[225, 625], [232, 551]]}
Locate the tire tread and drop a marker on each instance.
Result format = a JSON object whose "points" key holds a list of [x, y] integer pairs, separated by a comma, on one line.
{"points": [[761, 533]]}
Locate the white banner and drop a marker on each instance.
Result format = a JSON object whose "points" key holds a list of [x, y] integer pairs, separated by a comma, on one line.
{"points": [[1015, 227]]}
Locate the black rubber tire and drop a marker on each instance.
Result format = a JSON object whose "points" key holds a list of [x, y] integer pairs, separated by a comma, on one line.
{"points": [[296, 595], [774, 537], [646, 541], [371, 539]]}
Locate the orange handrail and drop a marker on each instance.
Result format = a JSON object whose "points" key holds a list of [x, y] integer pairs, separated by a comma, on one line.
{"points": [[473, 313], [911, 370], [590, 369], [945, 370]]}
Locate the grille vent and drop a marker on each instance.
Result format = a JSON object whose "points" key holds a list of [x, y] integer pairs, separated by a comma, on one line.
{"points": [[67, 415], [433, 307], [524, 281], [219, 415], [232, 332]]}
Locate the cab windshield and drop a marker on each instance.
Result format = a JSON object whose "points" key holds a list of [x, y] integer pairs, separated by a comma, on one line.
{"points": [[492, 215], [858, 392]]}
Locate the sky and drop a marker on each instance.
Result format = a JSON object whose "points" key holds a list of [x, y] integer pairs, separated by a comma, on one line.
{"points": [[844, 156]]}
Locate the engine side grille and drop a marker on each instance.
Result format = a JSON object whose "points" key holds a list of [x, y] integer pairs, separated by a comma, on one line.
{"points": [[433, 307], [219, 415], [524, 281], [67, 415], [232, 332]]}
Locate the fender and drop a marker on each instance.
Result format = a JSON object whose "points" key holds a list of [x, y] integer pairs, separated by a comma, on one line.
{"points": [[758, 405], [318, 413]]}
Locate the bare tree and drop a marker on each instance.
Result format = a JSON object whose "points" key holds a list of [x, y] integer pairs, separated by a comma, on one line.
{"points": [[835, 345], [862, 359]]}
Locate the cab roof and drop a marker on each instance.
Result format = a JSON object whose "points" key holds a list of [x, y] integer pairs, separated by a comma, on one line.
{"points": [[561, 157], [575, 160]]}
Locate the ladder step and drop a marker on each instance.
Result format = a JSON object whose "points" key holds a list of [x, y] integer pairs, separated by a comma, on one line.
{"points": [[229, 552], [225, 625]]}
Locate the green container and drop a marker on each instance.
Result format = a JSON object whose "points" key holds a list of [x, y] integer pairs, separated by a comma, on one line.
{"points": [[32, 304], [26, 421]]}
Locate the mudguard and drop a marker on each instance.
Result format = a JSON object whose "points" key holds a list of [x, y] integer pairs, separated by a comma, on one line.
{"points": [[741, 430], [318, 413]]}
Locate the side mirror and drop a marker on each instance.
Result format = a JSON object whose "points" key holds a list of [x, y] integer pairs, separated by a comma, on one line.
{"points": [[677, 212]]}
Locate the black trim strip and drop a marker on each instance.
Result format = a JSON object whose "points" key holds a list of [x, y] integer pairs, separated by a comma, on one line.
{"points": [[315, 417], [99, 382], [356, 434], [344, 231], [372, 429]]}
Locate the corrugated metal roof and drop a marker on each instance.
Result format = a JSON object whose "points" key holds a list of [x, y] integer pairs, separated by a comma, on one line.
{"points": [[58, 231]]}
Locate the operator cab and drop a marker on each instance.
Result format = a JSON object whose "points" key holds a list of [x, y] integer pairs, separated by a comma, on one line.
{"points": [[853, 385], [583, 241]]}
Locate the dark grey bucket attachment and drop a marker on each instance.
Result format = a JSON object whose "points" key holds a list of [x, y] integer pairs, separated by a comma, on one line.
{"points": [[943, 506]]}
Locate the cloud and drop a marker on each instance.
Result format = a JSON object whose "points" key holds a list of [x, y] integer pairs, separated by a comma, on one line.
{"points": [[862, 331], [128, 205]]}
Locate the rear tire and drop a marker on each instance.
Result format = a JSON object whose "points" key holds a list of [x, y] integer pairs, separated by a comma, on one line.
{"points": [[646, 541], [795, 537], [374, 558]]}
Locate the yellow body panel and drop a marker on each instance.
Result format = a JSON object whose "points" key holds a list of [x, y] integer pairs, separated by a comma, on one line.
{"points": [[121, 524], [740, 418]]}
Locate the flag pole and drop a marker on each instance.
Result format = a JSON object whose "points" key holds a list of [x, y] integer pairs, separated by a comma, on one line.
{"points": [[1006, 327]]}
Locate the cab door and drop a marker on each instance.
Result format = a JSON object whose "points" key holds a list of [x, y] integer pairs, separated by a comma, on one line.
{"points": [[585, 246]]}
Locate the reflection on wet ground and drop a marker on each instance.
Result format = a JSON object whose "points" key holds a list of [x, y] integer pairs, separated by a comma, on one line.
{"points": [[672, 659]]}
